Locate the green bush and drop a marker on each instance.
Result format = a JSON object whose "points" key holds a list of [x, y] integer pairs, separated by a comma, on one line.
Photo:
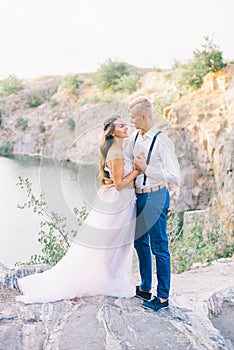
{"points": [[71, 82], [209, 59], [35, 98], [127, 83], [53, 235], [71, 123], [203, 243], [22, 123], [1, 114], [109, 73], [52, 102], [42, 127], [6, 148], [11, 85]]}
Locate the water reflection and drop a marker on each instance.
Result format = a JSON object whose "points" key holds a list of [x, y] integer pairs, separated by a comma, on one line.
{"points": [[66, 185]]}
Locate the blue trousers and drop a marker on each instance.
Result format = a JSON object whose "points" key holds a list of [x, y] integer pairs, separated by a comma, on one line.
{"points": [[150, 237]]}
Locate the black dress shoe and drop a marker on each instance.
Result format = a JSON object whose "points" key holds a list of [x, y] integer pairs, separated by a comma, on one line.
{"points": [[155, 304], [146, 296]]}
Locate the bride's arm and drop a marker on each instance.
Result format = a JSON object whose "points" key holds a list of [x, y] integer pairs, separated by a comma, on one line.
{"points": [[117, 168]]}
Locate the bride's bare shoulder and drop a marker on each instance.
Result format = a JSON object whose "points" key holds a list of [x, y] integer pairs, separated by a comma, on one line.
{"points": [[114, 153]]}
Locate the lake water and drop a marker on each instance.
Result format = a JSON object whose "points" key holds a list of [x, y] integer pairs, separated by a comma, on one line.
{"points": [[66, 186]]}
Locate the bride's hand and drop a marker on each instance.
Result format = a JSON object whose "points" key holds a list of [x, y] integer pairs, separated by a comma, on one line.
{"points": [[108, 182]]}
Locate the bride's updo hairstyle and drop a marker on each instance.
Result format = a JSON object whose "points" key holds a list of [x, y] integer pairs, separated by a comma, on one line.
{"points": [[141, 105], [107, 140]]}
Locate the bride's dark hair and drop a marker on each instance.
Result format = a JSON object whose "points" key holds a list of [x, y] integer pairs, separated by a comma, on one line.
{"points": [[107, 140]]}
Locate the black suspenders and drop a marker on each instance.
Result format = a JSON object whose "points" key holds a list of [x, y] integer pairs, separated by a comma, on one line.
{"points": [[150, 150]]}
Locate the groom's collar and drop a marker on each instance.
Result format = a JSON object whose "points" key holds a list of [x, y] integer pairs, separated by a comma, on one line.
{"points": [[151, 132]]}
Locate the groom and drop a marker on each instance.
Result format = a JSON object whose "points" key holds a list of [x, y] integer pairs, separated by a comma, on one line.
{"points": [[154, 156]]}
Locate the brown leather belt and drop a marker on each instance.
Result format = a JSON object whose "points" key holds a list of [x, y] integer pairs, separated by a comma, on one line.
{"points": [[149, 189]]}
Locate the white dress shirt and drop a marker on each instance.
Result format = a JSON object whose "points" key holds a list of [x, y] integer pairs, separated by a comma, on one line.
{"points": [[163, 165]]}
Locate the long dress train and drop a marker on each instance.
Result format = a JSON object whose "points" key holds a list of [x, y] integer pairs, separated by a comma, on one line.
{"points": [[99, 260]]}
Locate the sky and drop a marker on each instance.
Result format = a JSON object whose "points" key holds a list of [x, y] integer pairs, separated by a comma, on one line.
{"points": [[50, 37]]}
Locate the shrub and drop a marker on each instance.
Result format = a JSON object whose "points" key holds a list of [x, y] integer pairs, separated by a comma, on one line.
{"points": [[22, 123], [71, 123], [127, 83], [35, 98], [42, 127], [109, 73], [53, 234], [209, 59], [1, 114], [11, 85], [6, 148], [52, 102], [71, 82], [203, 243]]}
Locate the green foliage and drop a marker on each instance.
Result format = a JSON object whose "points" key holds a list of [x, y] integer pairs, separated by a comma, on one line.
{"points": [[71, 123], [42, 127], [71, 82], [11, 85], [6, 148], [53, 234], [203, 243], [52, 102], [1, 114], [163, 102], [35, 98], [209, 59], [109, 74], [22, 123], [127, 83]]}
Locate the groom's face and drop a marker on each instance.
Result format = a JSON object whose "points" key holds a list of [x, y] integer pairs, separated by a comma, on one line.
{"points": [[137, 119]]}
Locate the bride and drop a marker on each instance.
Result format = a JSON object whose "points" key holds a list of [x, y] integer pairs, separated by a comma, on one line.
{"points": [[99, 259]]}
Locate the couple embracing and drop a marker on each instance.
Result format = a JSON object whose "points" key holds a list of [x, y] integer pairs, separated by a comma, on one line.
{"points": [[130, 211]]}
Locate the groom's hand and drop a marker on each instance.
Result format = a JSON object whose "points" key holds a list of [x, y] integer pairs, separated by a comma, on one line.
{"points": [[140, 162]]}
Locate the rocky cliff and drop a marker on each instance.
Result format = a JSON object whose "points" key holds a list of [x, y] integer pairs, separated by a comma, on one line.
{"points": [[200, 124]]}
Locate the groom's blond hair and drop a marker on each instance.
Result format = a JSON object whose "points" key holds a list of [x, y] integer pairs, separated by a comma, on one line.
{"points": [[142, 105]]}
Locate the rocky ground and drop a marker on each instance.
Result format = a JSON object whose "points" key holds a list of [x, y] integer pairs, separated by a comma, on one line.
{"points": [[111, 323]]}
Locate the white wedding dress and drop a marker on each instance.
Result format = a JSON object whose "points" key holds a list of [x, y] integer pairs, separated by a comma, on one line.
{"points": [[99, 260]]}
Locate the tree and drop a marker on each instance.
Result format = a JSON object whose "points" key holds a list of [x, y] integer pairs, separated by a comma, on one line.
{"points": [[109, 74], [11, 85], [208, 59], [127, 83]]}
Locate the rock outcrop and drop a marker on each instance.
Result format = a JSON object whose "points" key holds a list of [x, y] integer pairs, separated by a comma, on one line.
{"points": [[111, 323]]}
